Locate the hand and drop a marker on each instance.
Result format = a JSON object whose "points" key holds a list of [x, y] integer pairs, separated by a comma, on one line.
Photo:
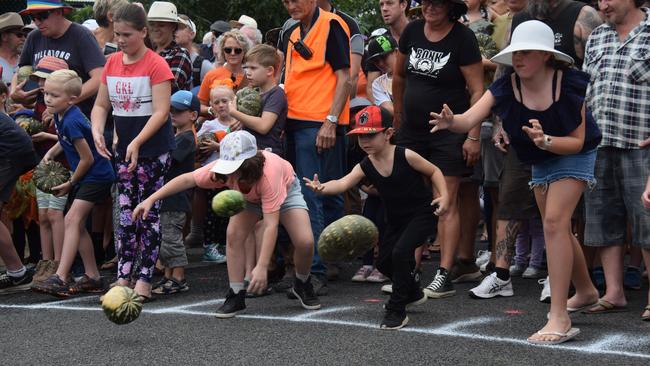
{"points": [[24, 97], [236, 125], [47, 118], [43, 136], [645, 143], [471, 152], [501, 139], [315, 185], [62, 189], [141, 211], [535, 132], [46, 158], [232, 105], [209, 145], [258, 280], [132, 152], [443, 120], [326, 137], [369, 190], [100, 144], [441, 204]]}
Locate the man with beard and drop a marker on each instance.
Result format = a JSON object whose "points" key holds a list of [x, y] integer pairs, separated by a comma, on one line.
{"points": [[12, 38], [571, 21]]}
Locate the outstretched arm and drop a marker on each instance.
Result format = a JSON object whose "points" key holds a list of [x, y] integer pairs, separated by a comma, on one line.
{"points": [[461, 123], [336, 186], [179, 184]]}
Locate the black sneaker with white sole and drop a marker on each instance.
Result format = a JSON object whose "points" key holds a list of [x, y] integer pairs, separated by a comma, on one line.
{"points": [[10, 285], [394, 320], [235, 302], [306, 294], [441, 286]]}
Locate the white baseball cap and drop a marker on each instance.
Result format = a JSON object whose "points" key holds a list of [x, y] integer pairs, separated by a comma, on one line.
{"points": [[235, 148], [531, 35]]}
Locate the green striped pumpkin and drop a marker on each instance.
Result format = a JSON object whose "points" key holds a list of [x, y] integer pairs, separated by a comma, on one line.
{"points": [[121, 305], [347, 238]]}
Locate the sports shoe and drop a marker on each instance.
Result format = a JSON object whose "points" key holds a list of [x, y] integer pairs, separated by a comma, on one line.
{"points": [[464, 271], [546, 291], [441, 286], [87, 285], [376, 277], [417, 298], [362, 274], [388, 289], [533, 273], [483, 257], [306, 293], [54, 286], [492, 286], [235, 302], [211, 254], [171, 286], [41, 266], [320, 285], [394, 320], [632, 278], [10, 285], [516, 270]]}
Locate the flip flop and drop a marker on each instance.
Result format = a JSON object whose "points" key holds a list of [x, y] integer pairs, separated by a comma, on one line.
{"points": [[570, 334], [647, 317], [603, 306], [581, 308]]}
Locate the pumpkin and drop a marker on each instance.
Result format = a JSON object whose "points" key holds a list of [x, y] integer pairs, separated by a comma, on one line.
{"points": [[249, 101], [31, 125], [121, 305], [228, 203], [23, 73], [347, 238], [48, 175], [487, 45], [204, 138]]}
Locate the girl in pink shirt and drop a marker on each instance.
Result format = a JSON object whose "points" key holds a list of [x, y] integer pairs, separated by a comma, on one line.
{"points": [[273, 195]]}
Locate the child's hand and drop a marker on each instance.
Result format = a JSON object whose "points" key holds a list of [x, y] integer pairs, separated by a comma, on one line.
{"points": [[132, 152], [443, 120], [100, 144], [236, 125], [209, 145], [314, 185], [232, 105], [62, 189], [258, 280], [535, 132], [441, 205], [43, 136], [645, 198], [141, 211]]}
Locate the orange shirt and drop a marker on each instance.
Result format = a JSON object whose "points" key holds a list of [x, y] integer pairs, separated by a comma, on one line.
{"points": [[211, 77]]}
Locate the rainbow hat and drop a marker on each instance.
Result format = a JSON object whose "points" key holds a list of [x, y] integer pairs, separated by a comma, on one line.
{"points": [[44, 5]]}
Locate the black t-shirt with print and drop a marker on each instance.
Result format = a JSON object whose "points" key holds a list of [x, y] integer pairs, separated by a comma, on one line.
{"points": [[433, 75]]}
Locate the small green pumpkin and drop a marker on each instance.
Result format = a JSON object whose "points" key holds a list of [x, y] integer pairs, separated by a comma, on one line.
{"points": [[121, 305], [347, 238], [249, 101], [48, 175]]}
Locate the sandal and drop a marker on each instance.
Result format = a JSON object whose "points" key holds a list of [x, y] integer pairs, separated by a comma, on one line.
{"points": [[108, 265], [563, 337], [171, 286], [646, 318], [603, 306]]}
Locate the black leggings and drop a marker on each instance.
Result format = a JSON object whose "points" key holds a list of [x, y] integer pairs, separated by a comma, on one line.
{"points": [[396, 258]]}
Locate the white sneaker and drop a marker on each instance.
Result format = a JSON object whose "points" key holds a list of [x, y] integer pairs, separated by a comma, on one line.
{"points": [[546, 291], [387, 288], [483, 258], [362, 274], [376, 277], [533, 273], [492, 286]]}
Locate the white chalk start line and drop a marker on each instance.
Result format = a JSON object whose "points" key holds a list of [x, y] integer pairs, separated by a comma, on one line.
{"points": [[605, 345]]}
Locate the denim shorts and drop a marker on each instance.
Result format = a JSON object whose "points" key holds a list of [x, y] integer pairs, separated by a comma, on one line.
{"points": [[577, 166], [294, 200], [615, 203]]}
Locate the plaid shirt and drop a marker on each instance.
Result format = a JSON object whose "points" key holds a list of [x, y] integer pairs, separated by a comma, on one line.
{"points": [[180, 63], [619, 91]]}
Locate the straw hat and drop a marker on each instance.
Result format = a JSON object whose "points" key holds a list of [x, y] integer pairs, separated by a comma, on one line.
{"points": [[162, 11]]}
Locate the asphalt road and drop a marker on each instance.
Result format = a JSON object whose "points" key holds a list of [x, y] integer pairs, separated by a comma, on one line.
{"points": [[180, 329]]}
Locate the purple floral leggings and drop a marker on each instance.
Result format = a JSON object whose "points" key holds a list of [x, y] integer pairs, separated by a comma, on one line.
{"points": [[138, 242]]}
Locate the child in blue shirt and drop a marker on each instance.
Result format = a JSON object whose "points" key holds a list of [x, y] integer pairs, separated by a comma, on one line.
{"points": [[90, 183]]}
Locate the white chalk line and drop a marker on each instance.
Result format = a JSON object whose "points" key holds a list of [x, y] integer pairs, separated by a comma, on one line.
{"points": [[597, 347]]}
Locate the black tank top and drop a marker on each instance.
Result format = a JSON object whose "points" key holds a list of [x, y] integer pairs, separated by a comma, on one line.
{"points": [[562, 21], [404, 192]]}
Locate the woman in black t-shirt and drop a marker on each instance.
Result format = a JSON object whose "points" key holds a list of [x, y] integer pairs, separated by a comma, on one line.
{"points": [[439, 62]]}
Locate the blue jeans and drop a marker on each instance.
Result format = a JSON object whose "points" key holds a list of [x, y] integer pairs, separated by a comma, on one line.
{"points": [[329, 165]]}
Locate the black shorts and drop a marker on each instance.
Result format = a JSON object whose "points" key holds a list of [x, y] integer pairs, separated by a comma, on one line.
{"points": [[91, 192], [516, 199], [444, 149], [10, 171]]}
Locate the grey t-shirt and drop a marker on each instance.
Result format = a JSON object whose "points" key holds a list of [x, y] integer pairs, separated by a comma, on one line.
{"points": [[8, 71], [274, 101], [77, 46]]}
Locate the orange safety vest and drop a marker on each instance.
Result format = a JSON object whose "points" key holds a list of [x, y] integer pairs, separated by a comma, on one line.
{"points": [[310, 84]]}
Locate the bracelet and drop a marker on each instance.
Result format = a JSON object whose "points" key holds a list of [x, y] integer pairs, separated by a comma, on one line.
{"points": [[473, 138]]}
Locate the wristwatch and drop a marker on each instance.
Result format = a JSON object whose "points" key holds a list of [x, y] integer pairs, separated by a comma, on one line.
{"points": [[332, 119]]}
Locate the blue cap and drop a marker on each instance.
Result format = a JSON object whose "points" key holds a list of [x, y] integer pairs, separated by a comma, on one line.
{"points": [[184, 100]]}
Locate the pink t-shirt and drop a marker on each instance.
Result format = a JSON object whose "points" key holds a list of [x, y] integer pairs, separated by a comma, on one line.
{"points": [[270, 190]]}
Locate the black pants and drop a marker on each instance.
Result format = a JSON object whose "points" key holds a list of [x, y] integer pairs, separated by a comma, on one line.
{"points": [[396, 258]]}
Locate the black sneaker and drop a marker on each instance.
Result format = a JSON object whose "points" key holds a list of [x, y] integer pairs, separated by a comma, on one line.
{"points": [[441, 286], [394, 320], [54, 286], [10, 285], [417, 298], [319, 284], [235, 302], [306, 294]]}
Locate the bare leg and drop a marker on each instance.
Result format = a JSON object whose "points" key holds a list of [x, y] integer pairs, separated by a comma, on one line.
{"points": [[239, 228], [612, 259], [47, 247], [449, 226], [58, 229], [646, 260], [76, 238], [298, 226], [504, 249], [7, 250], [586, 293]]}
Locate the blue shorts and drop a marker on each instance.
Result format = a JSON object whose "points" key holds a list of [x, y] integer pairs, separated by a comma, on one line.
{"points": [[294, 200], [577, 166]]}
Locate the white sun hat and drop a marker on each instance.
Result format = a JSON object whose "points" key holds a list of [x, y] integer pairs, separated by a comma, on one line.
{"points": [[163, 11], [532, 35], [235, 148]]}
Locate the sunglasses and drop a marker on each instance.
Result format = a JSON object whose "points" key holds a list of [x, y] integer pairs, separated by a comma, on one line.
{"points": [[229, 50], [19, 34], [41, 15]]}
